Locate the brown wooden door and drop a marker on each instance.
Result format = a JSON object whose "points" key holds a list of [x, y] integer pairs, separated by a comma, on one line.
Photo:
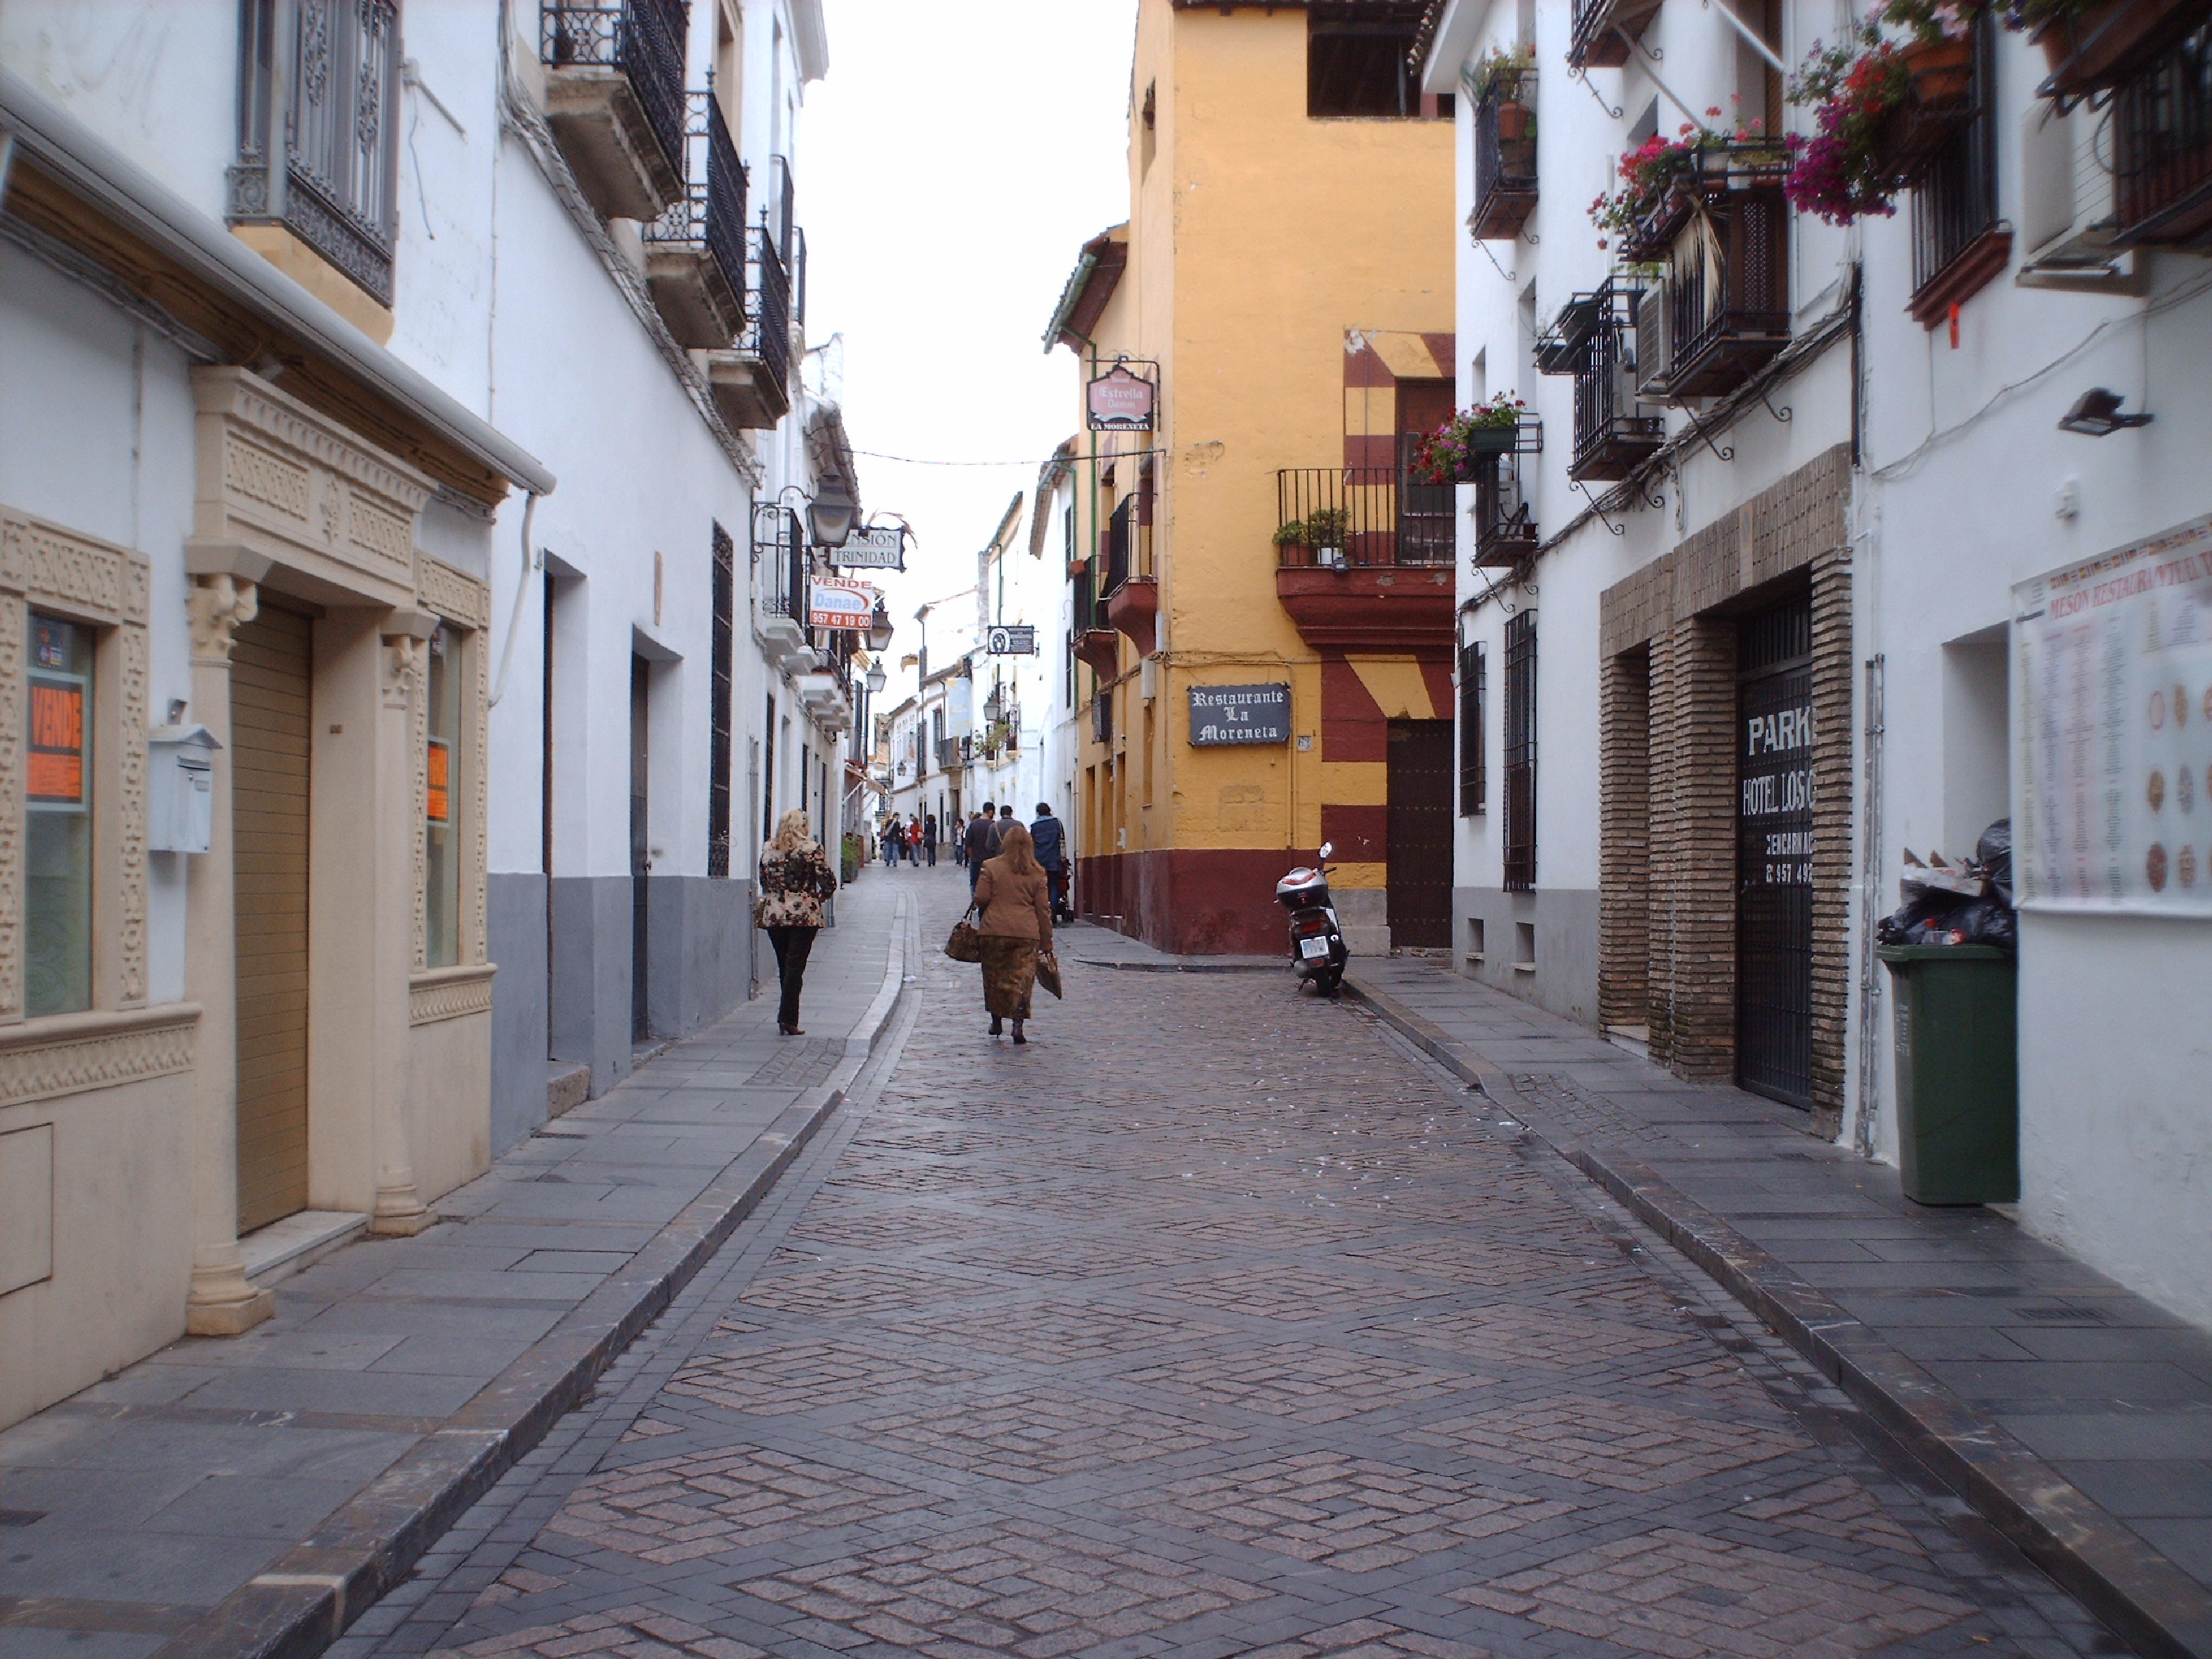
{"points": [[1426, 525], [270, 708], [1420, 871]]}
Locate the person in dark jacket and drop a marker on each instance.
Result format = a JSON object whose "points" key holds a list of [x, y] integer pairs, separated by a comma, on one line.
{"points": [[929, 838], [982, 842], [1051, 839]]}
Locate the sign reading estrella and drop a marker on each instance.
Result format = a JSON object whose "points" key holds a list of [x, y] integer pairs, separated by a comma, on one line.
{"points": [[1120, 401], [1239, 713], [834, 602]]}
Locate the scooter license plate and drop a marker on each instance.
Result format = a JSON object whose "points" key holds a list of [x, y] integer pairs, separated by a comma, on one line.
{"points": [[1313, 949]]}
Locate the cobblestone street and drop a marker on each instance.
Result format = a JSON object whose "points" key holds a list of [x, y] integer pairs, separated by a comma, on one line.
{"points": [[1214, 1323]]}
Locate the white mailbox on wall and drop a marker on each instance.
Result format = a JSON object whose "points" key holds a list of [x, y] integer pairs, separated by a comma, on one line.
{"points": [[179, 789]]}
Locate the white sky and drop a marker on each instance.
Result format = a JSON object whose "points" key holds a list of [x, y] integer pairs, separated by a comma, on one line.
{"points": [[951, 165]]}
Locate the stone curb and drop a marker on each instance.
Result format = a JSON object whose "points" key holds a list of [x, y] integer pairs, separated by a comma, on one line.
{"points": [[2147, 1600], [305, 1598]]}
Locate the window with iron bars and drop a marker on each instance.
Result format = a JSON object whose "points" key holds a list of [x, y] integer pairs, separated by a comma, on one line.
{"points": [[317, 129], [1473, 697], [1520, 753], [719, 714], [1954, 205], [1101, 716]]}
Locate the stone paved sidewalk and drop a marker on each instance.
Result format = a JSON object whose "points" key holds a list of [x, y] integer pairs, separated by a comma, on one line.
{"points": [[2075, 1415], [1218, 1321], [225, 1495]]}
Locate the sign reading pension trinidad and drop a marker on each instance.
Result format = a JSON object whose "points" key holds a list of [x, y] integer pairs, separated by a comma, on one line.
{"points": [[1239, 713], [2113, 747], [834, 602], [871, 547], [1120, 401]]}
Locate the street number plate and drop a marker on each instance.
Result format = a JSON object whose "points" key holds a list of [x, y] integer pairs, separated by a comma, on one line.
{"points": [[1313, 948]]}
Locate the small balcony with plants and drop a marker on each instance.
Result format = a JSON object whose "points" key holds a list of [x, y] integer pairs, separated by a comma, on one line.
{"points": [[1504, 514], [695, 252], [614, 98], [1505, 145], [1364, 555], [1705, 216], [1130, 592], [1595, 339], [1605, 32]]}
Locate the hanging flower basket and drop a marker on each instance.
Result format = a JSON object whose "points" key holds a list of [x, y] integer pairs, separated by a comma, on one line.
{"points": [[1460, 450]]}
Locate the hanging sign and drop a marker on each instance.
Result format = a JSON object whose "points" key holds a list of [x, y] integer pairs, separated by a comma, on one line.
{"points": [[871, 547], [834, 602], [1119, 401], [1239, 713], [1013, 641], [2112, 752]]}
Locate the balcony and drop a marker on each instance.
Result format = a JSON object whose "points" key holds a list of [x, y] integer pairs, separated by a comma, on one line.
{"points": [[1595, 339], [1605, 31], [1364, 557], [1722, 310], [614, 98], [780, 551], [1099, 649], [1131, 591], [695, 252], [2162, 138], [751, 381], [953, 754], [1504, 158], [1504, 519], [2110, 46]]}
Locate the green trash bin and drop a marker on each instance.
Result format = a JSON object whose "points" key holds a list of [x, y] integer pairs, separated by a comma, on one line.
{"points": [[1958, 1072]]}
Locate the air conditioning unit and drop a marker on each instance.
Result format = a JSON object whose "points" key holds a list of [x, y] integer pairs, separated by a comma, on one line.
{"points": [[2066, 203], [1654, 351]]}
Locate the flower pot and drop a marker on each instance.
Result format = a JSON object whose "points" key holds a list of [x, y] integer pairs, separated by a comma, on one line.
{"points": [[1513, 122], [1516, 158], [1491, 440], [2108, 44], [1655, 229], [1942, 72]]}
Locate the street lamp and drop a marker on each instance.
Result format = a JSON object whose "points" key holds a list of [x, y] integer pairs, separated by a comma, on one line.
{"points": [[880, 628], [829, 517], [2096, 414], [877, 679]]}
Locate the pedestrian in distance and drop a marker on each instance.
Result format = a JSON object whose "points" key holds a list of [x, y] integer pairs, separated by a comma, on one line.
{"points": [[982, 842], [929, 838], [794, 878], [892, 841], [1051, 839], [913, 843], [1015, 920]]}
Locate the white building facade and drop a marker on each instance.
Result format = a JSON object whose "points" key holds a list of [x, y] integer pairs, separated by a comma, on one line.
{"points": [[1738, 611]]}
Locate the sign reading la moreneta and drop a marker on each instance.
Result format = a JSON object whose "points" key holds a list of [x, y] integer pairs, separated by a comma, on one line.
{"points": [[1239, 713]]}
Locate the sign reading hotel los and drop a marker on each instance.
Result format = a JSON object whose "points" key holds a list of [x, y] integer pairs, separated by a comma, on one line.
{"points": [[1239, 713]]}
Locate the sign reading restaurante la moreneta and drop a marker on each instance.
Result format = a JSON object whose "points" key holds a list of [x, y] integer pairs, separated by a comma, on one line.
{"points": [[1239, 713]]}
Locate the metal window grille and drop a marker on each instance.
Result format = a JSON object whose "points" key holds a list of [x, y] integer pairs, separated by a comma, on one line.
{"points": [[1504, 168], [1101, 716], [718, 747], [319, 125], [1520, 752], [2162, 145], [780, 540], [767, 307], [1474, 696], [1120, 545], [711, 212], [1956, 202]]}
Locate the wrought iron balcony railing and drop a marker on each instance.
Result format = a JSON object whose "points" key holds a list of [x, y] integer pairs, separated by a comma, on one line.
{"points": [[953, 754], [1604, 31], [643, 38], [782, 558], [1504, 517], [1722, 310], [1614, 434], [710, 216], [1128, 547], [767, 309], [1353, 517], [2162, 145], [1504, 158]]}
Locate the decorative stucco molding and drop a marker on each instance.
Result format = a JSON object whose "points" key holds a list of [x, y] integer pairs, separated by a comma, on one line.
{"points": [[56, 569], [438, 993], [453, 594], [219, 605], [281, 483], [70, 1053]]}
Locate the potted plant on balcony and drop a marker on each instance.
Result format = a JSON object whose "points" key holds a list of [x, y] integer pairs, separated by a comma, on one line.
{"points": [[1860, 91], [1453, 452], [1502, 80]]}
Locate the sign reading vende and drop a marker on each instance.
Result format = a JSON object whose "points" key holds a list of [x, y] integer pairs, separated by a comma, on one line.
{"points": [[873, 547], [834, 602], [1239, 713], [1119, 402]]}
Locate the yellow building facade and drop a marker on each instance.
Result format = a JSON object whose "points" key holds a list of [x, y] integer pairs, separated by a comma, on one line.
{"points": [[1263, 600]]}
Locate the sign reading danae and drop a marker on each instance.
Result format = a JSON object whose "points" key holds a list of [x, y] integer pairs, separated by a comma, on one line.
{"points": [[832, 602], [1239, 713], [871, 547], [1014, 639], [1119, 402]]}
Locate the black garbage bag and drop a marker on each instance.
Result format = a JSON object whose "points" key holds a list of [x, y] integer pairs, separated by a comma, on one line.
{"points": [[1929, 918], [1987, 922], [1994, 853]]}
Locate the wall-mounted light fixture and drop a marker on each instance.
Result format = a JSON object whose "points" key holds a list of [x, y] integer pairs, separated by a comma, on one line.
{"points": [[830, 518], [2096, 414]]}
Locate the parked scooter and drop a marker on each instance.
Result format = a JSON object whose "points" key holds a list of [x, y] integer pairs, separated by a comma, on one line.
{"points": [[1317, 947]]}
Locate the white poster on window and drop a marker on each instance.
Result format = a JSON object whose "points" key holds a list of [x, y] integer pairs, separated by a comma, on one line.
{"points": [[2112, 733]]}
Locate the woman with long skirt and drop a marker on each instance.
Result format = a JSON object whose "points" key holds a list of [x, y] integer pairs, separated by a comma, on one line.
{"points": [[1013, 899], [794, 878]]}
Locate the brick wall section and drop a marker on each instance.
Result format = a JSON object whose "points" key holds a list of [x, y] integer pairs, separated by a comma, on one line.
{"points": [[1623, 838], [1679, 607]]}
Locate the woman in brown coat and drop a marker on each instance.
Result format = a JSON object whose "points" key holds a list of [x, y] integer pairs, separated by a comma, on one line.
{"points": [[1014, 896]]}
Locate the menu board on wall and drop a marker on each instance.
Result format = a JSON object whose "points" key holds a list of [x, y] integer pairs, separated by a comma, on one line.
{"points": [[2112, 733]]}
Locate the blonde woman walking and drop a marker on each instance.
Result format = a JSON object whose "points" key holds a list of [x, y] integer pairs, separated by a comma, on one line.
{"points": [[794, 878], [1013, 899]]}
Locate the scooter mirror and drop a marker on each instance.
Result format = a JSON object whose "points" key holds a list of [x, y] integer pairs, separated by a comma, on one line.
{"points": [[1327, 847]]}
